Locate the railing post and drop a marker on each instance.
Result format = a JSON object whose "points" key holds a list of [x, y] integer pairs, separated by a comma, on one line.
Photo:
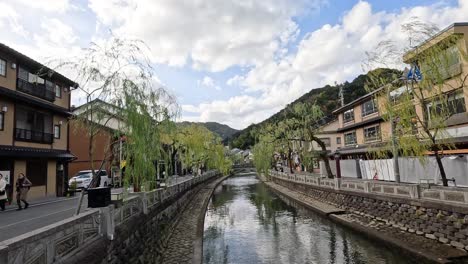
{"points": [[107, 223], [144, 199]]}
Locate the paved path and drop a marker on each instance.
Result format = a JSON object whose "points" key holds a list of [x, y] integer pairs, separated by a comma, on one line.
{"points": [[14, 223], [185, 239]]}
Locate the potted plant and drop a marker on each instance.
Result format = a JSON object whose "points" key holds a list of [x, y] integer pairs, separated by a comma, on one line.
{"points": [[72, 189]]}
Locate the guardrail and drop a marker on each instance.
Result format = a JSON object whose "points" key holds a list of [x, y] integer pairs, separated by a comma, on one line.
{"points": [[65, 238], [429, 192]]}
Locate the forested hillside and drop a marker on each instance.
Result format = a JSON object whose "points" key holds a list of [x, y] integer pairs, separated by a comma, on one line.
{"points": [[224, 131], [326, 97]]}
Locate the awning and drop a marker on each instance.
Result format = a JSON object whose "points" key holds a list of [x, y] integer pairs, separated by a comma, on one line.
{"points": [[25, 152]]}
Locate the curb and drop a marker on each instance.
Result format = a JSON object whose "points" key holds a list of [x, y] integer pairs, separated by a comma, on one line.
{"points": [[198, 243]]}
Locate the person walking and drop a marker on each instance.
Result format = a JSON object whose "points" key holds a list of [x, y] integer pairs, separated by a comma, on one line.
{"points": [[3, 195], [22, 187]]}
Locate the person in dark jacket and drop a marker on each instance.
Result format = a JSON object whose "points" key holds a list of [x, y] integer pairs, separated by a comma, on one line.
{"points": [[22, 188]]}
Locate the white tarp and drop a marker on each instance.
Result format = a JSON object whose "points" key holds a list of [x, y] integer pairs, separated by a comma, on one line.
{"points": [[377, 169]]}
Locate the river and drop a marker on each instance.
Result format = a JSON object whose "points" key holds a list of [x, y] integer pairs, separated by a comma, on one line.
{"points": [[247, 223]]}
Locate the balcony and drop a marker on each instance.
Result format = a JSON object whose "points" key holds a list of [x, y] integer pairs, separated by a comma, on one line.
{"points": [[38, 90], [33, 136]]}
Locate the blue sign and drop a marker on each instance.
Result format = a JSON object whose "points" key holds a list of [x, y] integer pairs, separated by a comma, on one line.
{"points": [[414, 74]]}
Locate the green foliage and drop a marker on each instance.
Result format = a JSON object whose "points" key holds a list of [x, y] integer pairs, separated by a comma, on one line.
{"points": [[263, 156], [222, 130]]}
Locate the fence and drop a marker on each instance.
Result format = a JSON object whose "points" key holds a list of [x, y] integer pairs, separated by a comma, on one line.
{"points": [[65, 238]]}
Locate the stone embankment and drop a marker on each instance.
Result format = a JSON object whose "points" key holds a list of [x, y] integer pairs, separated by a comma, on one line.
{"points": [[185, 244], [430, 234]]}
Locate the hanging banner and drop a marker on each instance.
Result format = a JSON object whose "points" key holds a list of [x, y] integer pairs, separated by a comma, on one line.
{"points": [[6, 176]]}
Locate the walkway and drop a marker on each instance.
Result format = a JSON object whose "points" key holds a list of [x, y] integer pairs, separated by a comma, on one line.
{"points": [[40, 213], [186, 241]]}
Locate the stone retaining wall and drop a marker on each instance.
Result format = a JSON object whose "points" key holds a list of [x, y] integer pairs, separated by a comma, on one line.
{"points": [[447, 223], [134, 232]]}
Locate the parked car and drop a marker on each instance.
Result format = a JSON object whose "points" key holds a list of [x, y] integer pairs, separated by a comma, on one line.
{"points": [[83, 178]]}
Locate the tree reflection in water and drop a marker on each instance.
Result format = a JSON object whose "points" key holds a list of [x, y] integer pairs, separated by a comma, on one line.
{"points": [[247, 223]]}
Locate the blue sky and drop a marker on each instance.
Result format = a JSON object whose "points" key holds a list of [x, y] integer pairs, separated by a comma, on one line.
{"points": [[235, 62]]}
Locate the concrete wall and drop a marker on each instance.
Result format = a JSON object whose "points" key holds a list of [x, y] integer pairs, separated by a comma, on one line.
{"points": [[6, 135]]}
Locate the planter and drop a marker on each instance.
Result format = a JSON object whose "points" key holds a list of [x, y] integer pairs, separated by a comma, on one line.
{"points": [[99, 197]]}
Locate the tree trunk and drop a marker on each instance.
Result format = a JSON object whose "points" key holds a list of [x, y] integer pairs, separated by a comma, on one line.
{"points": [[441, 168], [290, 160], [324, 155]]}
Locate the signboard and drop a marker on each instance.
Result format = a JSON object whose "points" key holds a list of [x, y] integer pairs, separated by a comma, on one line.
{"points": [[6, 176]]}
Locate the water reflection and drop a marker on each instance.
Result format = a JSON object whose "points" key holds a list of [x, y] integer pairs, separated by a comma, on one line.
{"points": [[247, 223]]}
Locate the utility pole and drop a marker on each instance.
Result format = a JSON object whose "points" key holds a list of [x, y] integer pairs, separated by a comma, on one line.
{"points": [[393, 122], [340, 93]]}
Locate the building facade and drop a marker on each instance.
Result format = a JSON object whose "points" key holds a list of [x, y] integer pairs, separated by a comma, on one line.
{"points": [[34, 129], [105, 125]]}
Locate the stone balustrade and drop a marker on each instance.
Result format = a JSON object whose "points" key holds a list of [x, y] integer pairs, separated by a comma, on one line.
{"points": [[61, 240], [403, 190]]}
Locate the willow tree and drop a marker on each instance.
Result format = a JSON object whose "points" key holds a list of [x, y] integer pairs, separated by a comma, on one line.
{"points": [[425, 101], [263, 152], [305, 120], [119, 73], [201, 149]]}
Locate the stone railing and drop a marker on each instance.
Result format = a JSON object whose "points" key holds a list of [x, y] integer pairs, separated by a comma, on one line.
{"points": [[404, 190], [63, 239], [49, 244], [446, 194]]}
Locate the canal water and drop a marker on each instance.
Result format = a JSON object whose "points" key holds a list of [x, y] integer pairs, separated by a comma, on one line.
{"points": [[247, 223]]}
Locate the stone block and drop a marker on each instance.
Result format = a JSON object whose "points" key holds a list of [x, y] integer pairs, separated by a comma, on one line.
{"points": [[430, 236], [419, 233], [443, 240], [460, 235], [437, 234], [457, 244]]}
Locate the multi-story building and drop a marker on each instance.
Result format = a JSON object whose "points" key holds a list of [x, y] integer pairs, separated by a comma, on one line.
{"points": [[450, 46], [104, 124], [361, 125], [34, 109]]}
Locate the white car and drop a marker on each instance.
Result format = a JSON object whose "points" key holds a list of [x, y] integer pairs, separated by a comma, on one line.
{"points": [[83, 179]]}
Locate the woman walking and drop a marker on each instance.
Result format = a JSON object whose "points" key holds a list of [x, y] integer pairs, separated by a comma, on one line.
{"points": [[22, 187], [3, 195]]}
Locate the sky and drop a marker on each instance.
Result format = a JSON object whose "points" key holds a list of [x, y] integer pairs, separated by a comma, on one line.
{"points": [[235, 62]]}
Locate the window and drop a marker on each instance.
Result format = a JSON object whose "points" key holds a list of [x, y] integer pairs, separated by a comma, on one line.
{"points": [[348, 115], [369, 107], [372, 133], [33, 126], [36, 171], [2, 121], [3, 67], [58, 91], [455, 104], [338, 140], [57, 131], [326, 141], [350, 138]]}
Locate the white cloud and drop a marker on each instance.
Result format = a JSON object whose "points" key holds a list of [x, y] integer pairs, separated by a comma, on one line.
{"points": [[328, 54], [213, 35], [208, 82]]}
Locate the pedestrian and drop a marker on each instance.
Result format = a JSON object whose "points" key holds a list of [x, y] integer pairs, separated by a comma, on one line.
{"points": [[22, 187], [3, 196]]}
